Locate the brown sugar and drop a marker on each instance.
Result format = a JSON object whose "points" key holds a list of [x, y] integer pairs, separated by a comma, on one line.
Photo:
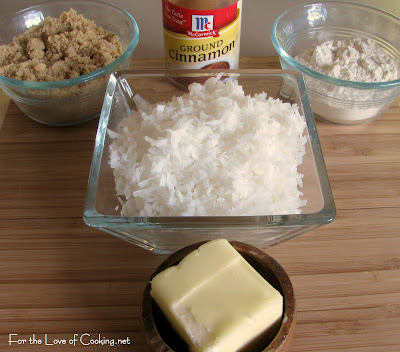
{"points": [[59, 48]]}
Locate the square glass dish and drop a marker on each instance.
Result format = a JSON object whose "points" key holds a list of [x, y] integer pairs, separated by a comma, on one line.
{"points": [[166, 234]]}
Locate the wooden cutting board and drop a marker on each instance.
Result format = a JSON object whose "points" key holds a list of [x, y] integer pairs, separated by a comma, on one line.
{"points": [[61, 280]]}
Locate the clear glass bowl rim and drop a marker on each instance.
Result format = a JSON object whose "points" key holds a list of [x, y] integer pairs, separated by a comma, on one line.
{"points": [[328, 79], [92, 218], [76, 80]]}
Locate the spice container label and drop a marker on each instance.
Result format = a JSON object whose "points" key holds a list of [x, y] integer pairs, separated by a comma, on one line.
{"points": [[201, 38]]}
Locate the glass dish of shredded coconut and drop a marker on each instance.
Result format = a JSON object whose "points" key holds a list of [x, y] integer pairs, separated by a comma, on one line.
{"points": [[235, 156], [212, 151]]}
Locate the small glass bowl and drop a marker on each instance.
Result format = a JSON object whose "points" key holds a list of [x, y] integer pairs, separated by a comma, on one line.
{"points": [[334, 100], [76, 100], [169, 234]]}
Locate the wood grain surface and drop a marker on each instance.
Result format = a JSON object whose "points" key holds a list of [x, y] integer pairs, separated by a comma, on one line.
{"points": [[61, 280]]}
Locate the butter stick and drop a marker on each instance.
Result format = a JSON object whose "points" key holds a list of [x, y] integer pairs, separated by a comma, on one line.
{"points": [[215, 300]]}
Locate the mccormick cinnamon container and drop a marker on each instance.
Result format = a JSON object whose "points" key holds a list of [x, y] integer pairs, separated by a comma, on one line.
{"points": [[202, 33]]}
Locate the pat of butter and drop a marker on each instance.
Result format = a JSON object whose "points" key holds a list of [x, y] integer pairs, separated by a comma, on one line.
{"points": [[215, 300]]}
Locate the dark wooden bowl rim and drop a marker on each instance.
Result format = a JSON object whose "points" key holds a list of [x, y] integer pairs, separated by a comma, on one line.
{"points": [[268, 267]]}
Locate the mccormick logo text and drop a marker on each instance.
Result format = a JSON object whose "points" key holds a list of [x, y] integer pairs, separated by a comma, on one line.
{"points": [[202, 27]]}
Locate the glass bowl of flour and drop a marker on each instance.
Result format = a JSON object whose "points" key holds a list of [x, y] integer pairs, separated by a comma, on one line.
{"points": [[349, 55]]}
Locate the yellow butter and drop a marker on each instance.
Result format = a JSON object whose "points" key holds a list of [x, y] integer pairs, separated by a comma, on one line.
{"points": [[215, 300]]}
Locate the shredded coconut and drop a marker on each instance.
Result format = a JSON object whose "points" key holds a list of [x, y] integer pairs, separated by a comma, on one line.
{"points": [[211, 151], [356, 59]]}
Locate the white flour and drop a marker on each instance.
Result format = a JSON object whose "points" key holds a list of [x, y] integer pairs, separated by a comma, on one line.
{"points": [[357, 59]]}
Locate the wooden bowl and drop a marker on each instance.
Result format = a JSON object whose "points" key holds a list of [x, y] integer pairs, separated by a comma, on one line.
{"points": [[161, 337]]}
